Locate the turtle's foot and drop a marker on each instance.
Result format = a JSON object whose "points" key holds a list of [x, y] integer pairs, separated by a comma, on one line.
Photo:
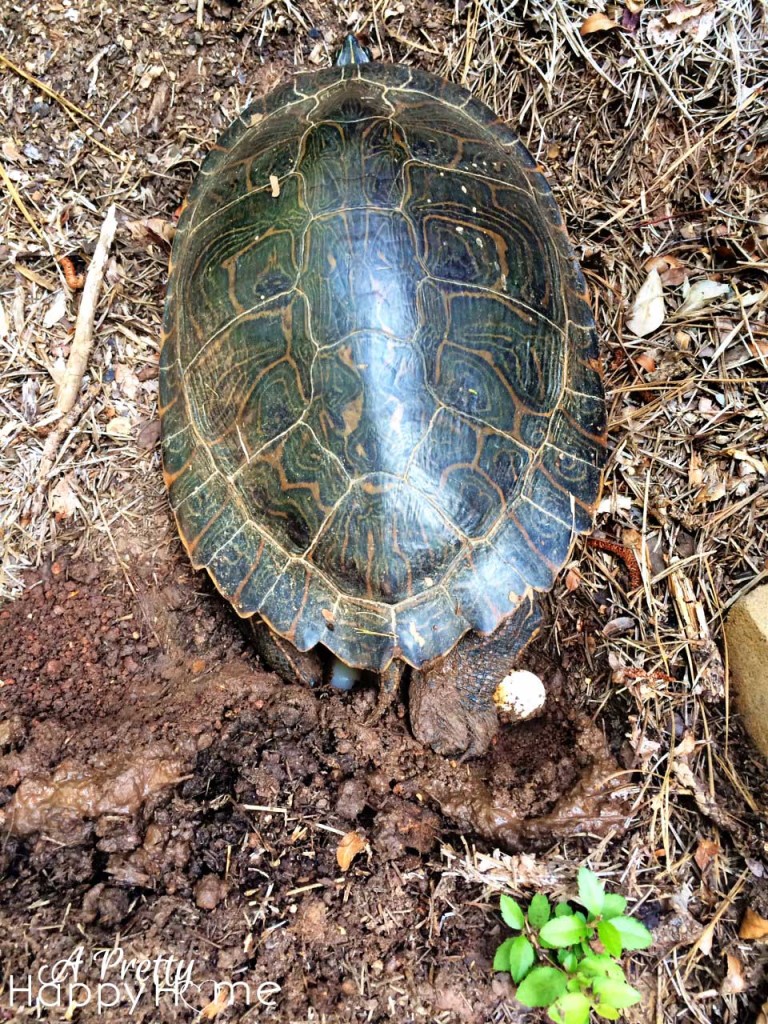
{"points": [[451, 701], [278, 655], [443, 720]]}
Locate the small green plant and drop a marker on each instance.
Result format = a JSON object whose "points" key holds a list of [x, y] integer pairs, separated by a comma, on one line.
{"points": [[566, 960]]}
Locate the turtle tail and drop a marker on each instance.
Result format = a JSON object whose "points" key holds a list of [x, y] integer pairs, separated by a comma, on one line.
{"points": [[352, 53]]}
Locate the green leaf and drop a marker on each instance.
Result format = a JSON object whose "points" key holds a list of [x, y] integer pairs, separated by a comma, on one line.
{"points": [[563, 910], [541, 987], [591, 891], [512, 913], [501, 959], [634, 934], [609, 937], [539, 911], [570, 960], [616, 993], [599, 965], [607, 1012], [521, 957], [563, 931], [613, 905], [572, 1008]]}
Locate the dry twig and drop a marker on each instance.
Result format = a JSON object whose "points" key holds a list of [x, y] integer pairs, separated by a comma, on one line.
{"points": [[83, 339]]}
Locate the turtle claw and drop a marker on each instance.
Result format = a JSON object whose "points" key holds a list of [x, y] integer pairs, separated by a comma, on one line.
{"points": [[389, 687], [383, 703]]}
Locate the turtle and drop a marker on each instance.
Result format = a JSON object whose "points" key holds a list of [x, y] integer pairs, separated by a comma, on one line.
{"points": [[383, 417]]}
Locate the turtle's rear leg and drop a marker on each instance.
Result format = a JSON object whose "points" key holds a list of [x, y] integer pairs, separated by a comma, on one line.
{"points": [[281, 656], [451, 701]]}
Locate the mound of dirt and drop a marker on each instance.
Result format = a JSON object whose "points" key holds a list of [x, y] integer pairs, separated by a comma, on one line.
{"points": [[156, 782]]}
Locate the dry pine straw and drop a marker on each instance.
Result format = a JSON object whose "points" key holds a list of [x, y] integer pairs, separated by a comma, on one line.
{"points": [[653, 137]]}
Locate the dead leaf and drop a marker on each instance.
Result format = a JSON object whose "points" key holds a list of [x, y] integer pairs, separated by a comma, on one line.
{"points": [[119, 428], [614, 503], [705, 853], [686, 746], [572, 580], [705, 940], [734, 981], [635, 6], [597, 22], [750, 460], [148, 435], [647, 313], [62, 498], [753, 926], [647, 361], [695, 471], [674, 277], [713, 490], [644, 748], [151, 231], [274, 184], [57, 370], [695, 21], [11, 152], [662, 263], [700, 294], [680, 13], [349, 847], [56, 310], [126, 380], [152, 72]]}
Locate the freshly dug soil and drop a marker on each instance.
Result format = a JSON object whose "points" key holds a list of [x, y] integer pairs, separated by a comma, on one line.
{"points": [[162, 794]]}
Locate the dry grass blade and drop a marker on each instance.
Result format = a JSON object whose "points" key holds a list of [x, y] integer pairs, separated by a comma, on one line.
{"points": [[13, 192]]}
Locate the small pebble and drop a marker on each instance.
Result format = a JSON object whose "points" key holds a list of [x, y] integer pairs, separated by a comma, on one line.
{"points": [[209, 892]]}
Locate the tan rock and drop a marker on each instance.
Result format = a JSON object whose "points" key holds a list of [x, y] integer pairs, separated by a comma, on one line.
{"points": [[746, 632]]}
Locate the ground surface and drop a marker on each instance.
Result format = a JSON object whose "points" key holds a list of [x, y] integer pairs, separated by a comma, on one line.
{"points": [[159, 793]]}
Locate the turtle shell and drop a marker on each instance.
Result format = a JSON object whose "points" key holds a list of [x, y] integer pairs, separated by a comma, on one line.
{"points": [[382, 412]]}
